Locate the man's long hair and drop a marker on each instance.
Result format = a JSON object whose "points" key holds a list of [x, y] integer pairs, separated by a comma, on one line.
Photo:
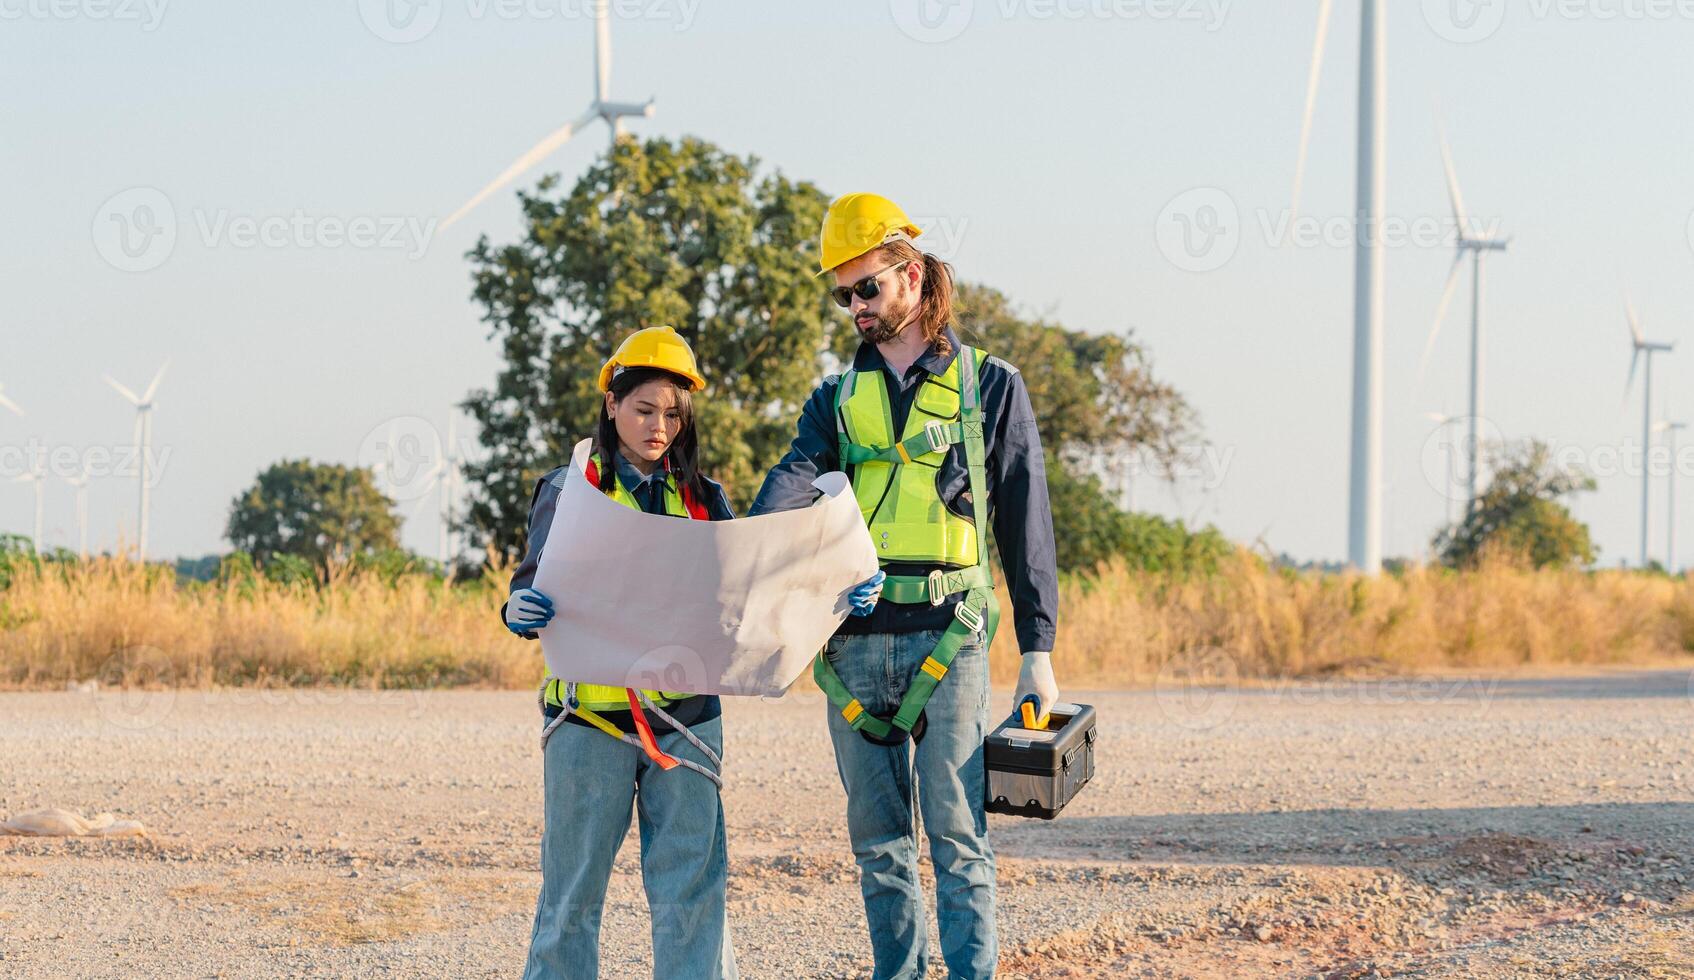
{"points": [[937, 304]]}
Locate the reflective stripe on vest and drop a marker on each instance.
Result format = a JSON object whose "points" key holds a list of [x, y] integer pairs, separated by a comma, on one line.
{"points": [[901, 501], [600, 697]]}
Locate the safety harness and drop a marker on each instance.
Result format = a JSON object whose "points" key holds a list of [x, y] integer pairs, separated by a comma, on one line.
{"points": [[643, 738], [979, 609]]}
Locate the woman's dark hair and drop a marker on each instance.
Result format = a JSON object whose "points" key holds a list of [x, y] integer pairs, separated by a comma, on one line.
{"points": [[683, 454]]}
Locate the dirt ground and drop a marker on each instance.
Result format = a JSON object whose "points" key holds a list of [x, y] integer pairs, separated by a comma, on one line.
{"points": [[1459, 827]]}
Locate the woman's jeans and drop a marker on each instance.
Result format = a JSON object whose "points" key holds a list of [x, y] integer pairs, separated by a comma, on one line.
{"points": [[591, 781], [945, 776]]}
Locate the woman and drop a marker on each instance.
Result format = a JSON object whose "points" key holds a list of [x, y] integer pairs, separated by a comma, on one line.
{"points": [[616, 746], [645, 457]]}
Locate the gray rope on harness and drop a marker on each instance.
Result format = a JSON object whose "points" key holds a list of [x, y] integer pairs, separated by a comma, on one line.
{"points": [[647, 703]]}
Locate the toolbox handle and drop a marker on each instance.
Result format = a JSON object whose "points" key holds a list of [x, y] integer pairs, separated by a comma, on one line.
{"points": [[1034, 718]]}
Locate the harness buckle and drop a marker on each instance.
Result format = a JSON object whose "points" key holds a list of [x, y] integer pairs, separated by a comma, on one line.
{"points": [[972, 620], [937, 587], [935, 432]]}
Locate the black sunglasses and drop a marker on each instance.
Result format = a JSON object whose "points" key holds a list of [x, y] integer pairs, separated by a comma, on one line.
{"points": [[866, 289]]}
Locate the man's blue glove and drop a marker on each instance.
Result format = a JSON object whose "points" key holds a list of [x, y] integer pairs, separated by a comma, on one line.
{"points": [[527, 611], [865, 595]]}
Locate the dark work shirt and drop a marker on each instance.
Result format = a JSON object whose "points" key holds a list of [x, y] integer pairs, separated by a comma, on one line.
{"points": [[1017, 506], [648, 493]]}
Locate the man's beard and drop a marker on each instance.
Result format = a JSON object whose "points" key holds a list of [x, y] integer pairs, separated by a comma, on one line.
{"points": [[885, 326]]}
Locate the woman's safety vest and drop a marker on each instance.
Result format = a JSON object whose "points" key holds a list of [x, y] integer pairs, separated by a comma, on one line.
{"points": [[599, 697]]}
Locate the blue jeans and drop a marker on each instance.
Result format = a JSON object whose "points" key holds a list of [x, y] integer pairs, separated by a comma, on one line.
{"points": [[945, 775], [591, 781]]}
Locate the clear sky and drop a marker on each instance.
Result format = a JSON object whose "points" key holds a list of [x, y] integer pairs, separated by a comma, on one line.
{"points": [[299, 156]]}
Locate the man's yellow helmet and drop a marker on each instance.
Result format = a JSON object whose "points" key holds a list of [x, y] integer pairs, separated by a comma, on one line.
{"points": [[655, 347], [857, 223]]}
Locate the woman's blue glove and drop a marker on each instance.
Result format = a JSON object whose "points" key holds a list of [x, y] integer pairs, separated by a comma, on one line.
{"points": [[527, 611], [864, 596]]}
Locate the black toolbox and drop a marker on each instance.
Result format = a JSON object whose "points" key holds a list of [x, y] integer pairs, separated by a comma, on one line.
{"points": [[1034, 773]]}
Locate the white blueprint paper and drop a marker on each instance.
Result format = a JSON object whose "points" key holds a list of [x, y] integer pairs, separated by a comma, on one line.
{"points": [[701, 607]]}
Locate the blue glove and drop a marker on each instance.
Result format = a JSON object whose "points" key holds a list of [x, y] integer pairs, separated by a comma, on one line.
{"points": [[527, 611], [864, 596]]}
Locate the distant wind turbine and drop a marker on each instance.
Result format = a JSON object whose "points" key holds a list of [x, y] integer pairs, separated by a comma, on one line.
{"points": [[8, 404], [80, 484], [1442, 420], [614, 113], [144, 449], [1670, 485], [1475, 246], [1364, 493], [446, 475], [37, 477], [1641, 346]]}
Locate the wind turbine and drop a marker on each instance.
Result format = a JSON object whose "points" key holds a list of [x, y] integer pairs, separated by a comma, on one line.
{"points": [[143, 447], [8, 404], [1649, 347], [37, 477], [1442, 420], [614, 113], [1670, 485], [80, 483], [446, 474], [1475, 246], [1364, 497]]}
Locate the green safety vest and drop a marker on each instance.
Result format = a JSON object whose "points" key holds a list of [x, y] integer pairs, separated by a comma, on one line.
{"points": [[894, 481], [902, 505], [601, 697]]}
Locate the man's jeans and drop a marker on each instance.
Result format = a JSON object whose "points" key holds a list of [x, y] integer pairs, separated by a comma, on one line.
{"points": [[591, 781], [876, 669]]}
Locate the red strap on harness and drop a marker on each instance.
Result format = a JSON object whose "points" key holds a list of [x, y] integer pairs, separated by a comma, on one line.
{"points": [[696, 509], [644, 732]]}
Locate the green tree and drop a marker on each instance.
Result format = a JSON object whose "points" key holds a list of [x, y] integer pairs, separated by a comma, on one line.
{"points": [[655, 233], [1520, 514], [687, 235], [314, 512]]}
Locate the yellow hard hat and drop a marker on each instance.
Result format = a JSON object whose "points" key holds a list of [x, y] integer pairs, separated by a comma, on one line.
{"points": [[857, 223], [655, 347]]}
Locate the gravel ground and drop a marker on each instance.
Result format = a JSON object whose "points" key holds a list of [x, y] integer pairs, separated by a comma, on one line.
{"points": [[1467, 827]]}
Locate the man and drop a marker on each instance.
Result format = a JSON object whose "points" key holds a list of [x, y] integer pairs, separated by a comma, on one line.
{"points": [[939, 440]]}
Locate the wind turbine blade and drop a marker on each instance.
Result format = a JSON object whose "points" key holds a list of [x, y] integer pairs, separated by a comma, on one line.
{"points": [[1634, 361], [1453, 196], [1634, 321], [10, 405], [154, 385], [533, 156], [1440, 312], [602, 52], [1314, 73], [134, 399]]}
